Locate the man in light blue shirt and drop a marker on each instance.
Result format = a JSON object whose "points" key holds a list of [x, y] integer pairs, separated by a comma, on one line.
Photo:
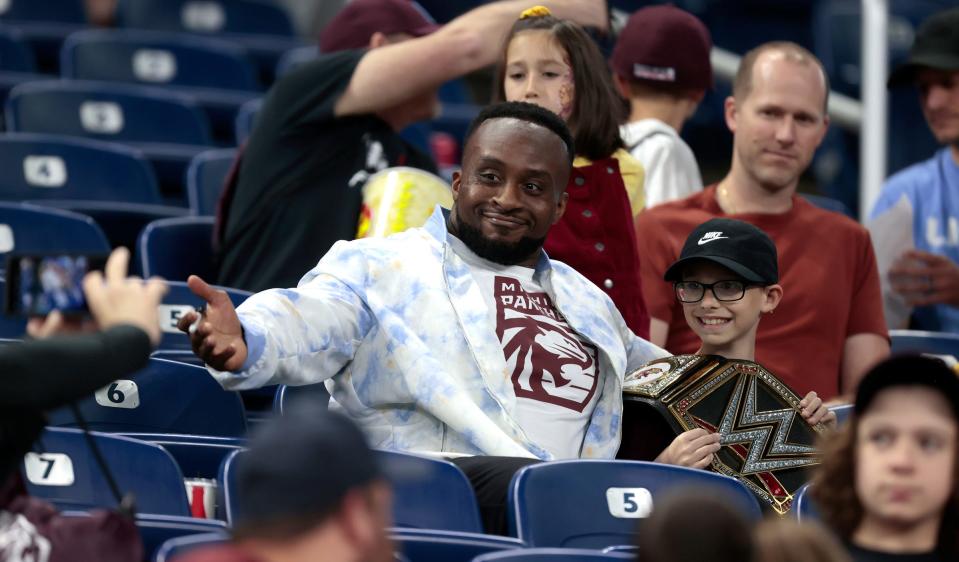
{"points": [[928, 277]]}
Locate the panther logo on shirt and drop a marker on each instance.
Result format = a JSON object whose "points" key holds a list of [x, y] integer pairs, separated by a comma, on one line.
{"points": [[549, 361]]}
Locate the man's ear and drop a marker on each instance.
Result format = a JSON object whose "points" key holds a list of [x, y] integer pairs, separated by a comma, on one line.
{"points": [[561, 206], [730, 112], [457, 178], [378, 40], [356, 519], [774, 294]]}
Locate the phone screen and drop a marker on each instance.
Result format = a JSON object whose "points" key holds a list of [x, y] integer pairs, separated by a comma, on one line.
{"points": [[39, 284]]}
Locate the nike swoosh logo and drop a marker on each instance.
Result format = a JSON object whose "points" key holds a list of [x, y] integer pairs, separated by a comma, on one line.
{"points": [[706, 241]]}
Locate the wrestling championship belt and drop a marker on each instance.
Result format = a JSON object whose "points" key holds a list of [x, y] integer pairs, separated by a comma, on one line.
{"points": [[767, 445]]}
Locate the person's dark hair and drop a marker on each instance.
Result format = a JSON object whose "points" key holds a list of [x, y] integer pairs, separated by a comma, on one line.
{"points": [[722, 533], [531, 113], [788, 540], [834, 490], [598, 108], [743, 83]]}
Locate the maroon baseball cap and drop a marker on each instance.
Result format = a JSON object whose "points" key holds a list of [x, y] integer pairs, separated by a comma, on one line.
{"points": [[360, 19], [664, 45]]}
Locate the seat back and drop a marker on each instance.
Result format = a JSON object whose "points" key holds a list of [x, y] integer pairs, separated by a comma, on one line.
{"points": [[609, 496], [421, 545], [32, 230], [177, 301], [55, 167], [157, 530], [842, 411], [44, 11], [206, 16], [286, 395], [828, 203], [179, 546], [918, 341], [205, 178], [430, 493], [157, 58], [104, 111], [199, 456], [61, 469], [803, 507], [178, 247], [164, 397], [296, 57], [15, 54]]}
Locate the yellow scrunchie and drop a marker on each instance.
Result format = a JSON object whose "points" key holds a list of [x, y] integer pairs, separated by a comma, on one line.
{"points": [[535, 12]]}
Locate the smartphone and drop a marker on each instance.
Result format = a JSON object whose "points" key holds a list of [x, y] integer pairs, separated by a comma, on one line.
{"points": [[38, 284]]}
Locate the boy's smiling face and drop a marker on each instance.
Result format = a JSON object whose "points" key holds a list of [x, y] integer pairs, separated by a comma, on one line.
{"points": [[727, 328]]}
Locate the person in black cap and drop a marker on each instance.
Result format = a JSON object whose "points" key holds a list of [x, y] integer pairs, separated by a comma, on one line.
{"points": [[308, 490], [889, 481], [726, 278], [928, 276]]}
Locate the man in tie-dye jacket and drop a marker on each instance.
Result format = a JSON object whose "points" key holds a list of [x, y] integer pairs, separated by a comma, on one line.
{"points": [[460, 336]]}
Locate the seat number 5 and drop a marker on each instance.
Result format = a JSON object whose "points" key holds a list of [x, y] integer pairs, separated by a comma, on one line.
{"points": [[629, 503]]}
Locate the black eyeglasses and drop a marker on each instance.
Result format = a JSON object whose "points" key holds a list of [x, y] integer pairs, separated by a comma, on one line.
{"points": [[724, 291]]}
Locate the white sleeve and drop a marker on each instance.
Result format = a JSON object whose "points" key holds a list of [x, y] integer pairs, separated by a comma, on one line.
{"points": [[671, 172]]}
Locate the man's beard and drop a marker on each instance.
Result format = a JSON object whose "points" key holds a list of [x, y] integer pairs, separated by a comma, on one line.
{"points": [[497, 252]]}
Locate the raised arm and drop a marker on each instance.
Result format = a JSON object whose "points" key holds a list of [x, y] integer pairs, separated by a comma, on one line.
{"points": [[397, 72]]}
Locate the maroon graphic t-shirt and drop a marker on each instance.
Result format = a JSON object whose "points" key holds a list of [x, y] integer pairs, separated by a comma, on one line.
{"points": [[554, 372]]}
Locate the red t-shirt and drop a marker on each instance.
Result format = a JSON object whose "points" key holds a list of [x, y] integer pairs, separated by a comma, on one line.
{"points": [[827, 269]]}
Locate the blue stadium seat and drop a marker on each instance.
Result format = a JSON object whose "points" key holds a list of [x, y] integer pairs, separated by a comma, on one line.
{"points": [[246, 120], [176, 248], [164, 397], [43, 24], [62, 470], [178, 546], [256, 17], [158, 59], [120, 221], [608, 497], [430, 493], [169, 127], [217, 74], [15, 53], [31, 230], [178, 300], [421, 545], [55, 167], [198, 456], [803, 507], [205, 177], [260, 26], [550, 554], [116, 112], [286, 395], [157, 530], [917, 341]]}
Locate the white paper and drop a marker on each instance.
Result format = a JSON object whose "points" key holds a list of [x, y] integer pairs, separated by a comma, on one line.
{"points": [[891, 234]]}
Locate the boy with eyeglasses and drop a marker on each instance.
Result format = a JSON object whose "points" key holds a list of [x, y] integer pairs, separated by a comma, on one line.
{"points": [[726, 278]]}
